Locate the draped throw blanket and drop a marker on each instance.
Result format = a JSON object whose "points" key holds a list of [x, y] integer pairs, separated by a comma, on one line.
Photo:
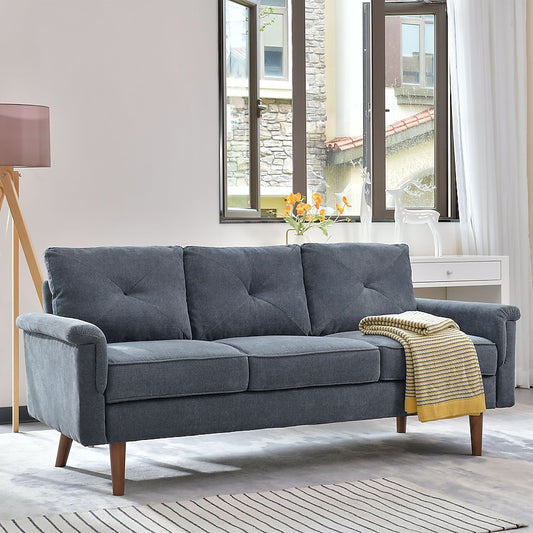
{"points": [[443, 379]]}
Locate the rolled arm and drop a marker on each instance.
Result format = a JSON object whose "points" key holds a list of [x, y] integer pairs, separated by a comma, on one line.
{"points": [[496, 322], [62, 328], [475, 318], [66, 370]]}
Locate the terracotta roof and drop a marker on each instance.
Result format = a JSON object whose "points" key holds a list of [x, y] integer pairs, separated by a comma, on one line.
{"points": [[346, 143]]}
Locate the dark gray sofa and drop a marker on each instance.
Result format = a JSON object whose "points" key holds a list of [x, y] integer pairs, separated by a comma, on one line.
{"points": [[151, 342]]}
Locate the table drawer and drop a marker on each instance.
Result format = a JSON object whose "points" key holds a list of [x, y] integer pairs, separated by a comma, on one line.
{"points": [[456, 271]]}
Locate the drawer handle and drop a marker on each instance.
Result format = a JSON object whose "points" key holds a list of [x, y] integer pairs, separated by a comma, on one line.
{"points": [[449, 272]]}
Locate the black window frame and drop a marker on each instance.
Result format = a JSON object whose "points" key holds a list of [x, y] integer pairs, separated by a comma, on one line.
{"points": [[445, 203], [374, 150]]}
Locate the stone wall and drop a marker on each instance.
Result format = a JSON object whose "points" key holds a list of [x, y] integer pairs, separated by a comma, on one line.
{"points": [[315, 33], [276, 143], [238, 143]]}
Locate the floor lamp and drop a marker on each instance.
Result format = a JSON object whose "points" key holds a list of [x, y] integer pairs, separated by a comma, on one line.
{"points": [[24, 142]]}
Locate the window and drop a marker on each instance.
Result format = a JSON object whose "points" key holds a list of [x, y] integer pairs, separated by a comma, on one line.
{"points": [[307, 107], [410, 142], [240, 105]]}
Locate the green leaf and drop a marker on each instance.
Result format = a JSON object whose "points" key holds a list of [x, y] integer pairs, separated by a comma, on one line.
{"points": [[293, 223]]}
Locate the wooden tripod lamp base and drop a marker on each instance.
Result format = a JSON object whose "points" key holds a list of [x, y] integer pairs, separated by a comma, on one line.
{"points": [[9, 187], [24, 142]]}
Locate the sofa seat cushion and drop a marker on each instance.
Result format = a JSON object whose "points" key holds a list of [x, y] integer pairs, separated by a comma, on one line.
{"points": [[285, 362], [162, 369], [236, 292], [393, 359], [345, 282]]}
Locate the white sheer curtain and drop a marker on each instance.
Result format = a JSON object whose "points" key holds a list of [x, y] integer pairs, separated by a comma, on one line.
{"points": [[488, 71]]}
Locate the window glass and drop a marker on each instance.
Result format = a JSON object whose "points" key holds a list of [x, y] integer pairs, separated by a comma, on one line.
{"points": [[410, 111], [275, 136], [429, 39], [335, 110], [238, 132], [410, 53], [273, 46], [237, 57]]}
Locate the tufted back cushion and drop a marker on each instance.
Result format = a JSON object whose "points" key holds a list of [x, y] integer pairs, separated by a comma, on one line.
{"points": [[130, 293], [236, 292], [347, 281]]}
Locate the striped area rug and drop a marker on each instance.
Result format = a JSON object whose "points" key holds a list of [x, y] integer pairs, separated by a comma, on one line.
{"points": [[380, 505]]}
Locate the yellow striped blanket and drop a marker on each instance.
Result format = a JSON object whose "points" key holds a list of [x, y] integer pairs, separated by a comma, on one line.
{"points": [[443, 379]]}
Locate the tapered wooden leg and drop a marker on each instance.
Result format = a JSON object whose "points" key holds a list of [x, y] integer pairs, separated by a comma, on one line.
{"points": [[401, 424], [117, 452], [476, 433], [63, 450]]}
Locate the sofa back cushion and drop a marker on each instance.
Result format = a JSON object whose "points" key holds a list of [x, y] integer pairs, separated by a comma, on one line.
{"points": [[130, 293], [347, 281], [236, 292]]}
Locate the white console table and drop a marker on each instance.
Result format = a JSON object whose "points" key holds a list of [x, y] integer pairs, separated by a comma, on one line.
{"points": [[463, 276]]}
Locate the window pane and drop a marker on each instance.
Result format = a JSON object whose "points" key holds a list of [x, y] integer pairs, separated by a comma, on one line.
{"points": [[275, 141], [411, 53], [276, 3], [410, 122], [335, 118], [276, 154], [237, 106], [429, 37], [273, 45], [273, 56], [237, 53]]}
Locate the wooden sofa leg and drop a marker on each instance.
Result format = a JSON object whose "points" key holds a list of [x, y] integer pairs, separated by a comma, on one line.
{"points": [[65, 443], [476, 433], [117, 453], [401, 424]]}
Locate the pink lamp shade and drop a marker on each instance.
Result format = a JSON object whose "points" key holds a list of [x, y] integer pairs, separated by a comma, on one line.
{"points": [[24, 135]]}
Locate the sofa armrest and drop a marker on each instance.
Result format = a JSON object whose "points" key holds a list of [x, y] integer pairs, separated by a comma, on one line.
{"points": [[62, 328], [496, 322], [66, 373]]}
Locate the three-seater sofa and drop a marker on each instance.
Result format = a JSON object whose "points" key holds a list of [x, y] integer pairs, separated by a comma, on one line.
{"points": [[151, 342]]}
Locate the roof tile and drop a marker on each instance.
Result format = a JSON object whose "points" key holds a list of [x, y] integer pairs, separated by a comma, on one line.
{"points": [[347, 143]]}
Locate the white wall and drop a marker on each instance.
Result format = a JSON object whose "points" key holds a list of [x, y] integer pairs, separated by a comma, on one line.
{"points": [[132, 87], [530, 116]]}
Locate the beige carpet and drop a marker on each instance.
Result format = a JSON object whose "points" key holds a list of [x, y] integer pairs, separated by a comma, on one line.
{"points": [[378, 505]]}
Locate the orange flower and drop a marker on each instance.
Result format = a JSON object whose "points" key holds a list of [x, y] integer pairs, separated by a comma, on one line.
{"points": [[302, 216], [293, 198], [300, 209]]}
